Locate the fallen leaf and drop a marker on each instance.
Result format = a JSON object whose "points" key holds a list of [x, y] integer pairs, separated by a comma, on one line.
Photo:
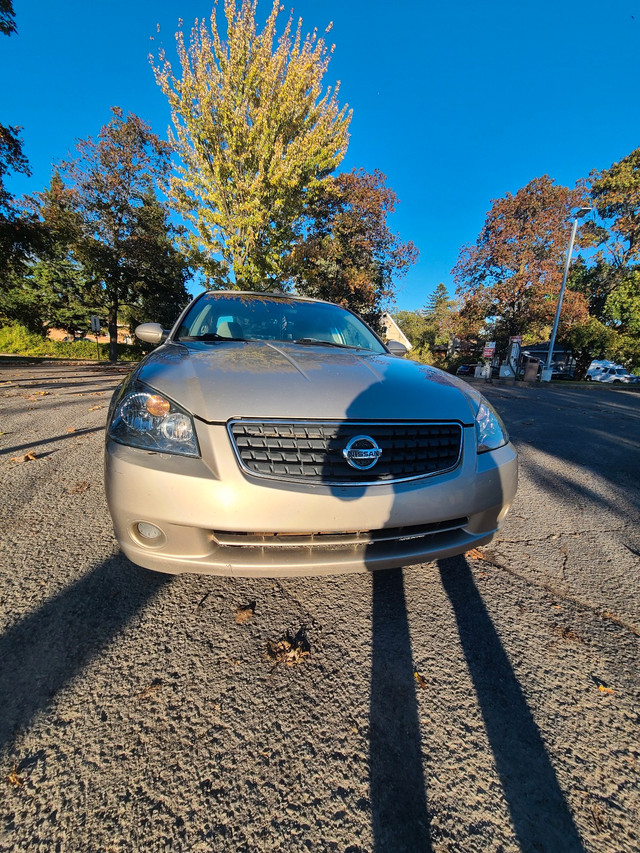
{"points": [[599, 817], [71, 429], [14, 779], [155, 685], [28, 457], [475, 554], [95, 408], [422, 681], [245, 612], [566, 633], [604, 689], [79, 488], [290, 649]]}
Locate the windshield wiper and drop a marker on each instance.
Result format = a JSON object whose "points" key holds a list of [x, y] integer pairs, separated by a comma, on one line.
{"points": [[208, 337], [319, 343]]}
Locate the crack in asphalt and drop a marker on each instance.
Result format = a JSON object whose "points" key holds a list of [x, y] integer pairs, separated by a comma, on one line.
{"points": [[605, 615], [530, 540]]}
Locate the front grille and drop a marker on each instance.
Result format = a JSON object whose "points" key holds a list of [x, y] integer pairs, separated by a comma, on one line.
{"points": [[312, 451], [365, 538]]}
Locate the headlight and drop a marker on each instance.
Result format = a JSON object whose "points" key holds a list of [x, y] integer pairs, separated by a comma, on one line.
{"points": [[144, 418], [490, 431]]}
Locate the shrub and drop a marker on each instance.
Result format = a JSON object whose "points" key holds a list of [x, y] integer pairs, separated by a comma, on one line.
{"points": [[18, 340]]}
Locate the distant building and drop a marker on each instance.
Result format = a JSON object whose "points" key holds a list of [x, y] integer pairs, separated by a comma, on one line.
{"points": [[393, 332], [124, 335]]}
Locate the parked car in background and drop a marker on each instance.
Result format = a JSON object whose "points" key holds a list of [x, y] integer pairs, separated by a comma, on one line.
{"points": [[273, 435], [466, 370], [610, 373]]}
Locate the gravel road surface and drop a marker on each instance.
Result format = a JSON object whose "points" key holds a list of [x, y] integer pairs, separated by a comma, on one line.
{"points": [[485, 703]]}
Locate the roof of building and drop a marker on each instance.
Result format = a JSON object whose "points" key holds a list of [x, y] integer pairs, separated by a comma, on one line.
{"points": [[393, 330]]}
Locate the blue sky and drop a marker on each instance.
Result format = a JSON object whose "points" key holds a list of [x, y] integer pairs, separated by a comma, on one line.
{"points": [[457, 103]]}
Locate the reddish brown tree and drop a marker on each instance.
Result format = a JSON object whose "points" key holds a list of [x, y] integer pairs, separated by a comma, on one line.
{"points": [[347, 253], [512, 274]]}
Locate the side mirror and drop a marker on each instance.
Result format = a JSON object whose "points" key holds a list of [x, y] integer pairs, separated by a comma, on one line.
{"points": [[396, 348], [151, 333]]}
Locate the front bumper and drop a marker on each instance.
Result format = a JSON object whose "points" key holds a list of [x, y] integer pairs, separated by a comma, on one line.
{"points": [[216, 519]]}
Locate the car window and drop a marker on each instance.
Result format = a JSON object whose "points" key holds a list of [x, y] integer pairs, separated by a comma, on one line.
{"points": [[275, 319]]}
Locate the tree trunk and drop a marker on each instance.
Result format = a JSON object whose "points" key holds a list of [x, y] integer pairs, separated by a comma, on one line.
{"points": [[583, 360], [113, 331]]}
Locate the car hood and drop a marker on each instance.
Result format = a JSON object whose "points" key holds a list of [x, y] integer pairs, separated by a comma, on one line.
{"points": [[265, 379]]}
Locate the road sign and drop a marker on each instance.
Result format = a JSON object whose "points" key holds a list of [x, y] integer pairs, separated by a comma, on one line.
{"points": [[95, 324]]}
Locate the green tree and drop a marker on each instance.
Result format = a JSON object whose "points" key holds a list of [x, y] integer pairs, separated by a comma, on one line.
{"points": [[256, 133], [615, 194], [346, 252], [419, 331], [609, 280], [7, 18], [16, 227], [112, 185], [440, 313], [587, 341], [12, 159], [17, 234], [511, 276], [159, 294], [62, 296]]}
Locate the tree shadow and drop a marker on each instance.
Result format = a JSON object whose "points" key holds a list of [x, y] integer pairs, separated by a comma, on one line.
{"points": [[539, 813], [397, 785], [76, 433], [596, 429], [46, 649]]}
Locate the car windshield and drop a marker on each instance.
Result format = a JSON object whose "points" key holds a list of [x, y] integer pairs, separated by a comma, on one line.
{"points": [[244, 317], [621, 371]]}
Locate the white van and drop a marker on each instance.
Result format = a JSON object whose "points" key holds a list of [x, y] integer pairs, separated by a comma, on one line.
{"points": [[607, 371]]}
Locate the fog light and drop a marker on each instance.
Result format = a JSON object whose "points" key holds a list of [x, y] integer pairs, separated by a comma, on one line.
{"points": [[148, 531]]}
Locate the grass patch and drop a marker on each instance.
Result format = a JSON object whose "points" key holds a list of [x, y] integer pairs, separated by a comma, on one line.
{"points": [[17, 340]]}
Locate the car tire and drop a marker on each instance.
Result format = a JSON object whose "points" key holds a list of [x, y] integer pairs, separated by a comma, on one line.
{"points": [[588, 378]]}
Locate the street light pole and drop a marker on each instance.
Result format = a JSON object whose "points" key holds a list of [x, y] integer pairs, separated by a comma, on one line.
{"points": [[546, 373]]}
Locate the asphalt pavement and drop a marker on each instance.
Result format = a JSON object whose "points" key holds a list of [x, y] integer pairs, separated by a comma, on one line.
{"points": [[488, 702]]}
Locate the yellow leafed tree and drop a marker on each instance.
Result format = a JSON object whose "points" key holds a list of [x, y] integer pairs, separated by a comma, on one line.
{"points": [[255, 132]]}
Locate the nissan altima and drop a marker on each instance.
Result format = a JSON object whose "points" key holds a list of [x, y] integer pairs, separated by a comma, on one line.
{"points": [[273, 435]]}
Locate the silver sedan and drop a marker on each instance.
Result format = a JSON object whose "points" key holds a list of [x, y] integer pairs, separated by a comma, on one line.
{"points": [[273, 435]]}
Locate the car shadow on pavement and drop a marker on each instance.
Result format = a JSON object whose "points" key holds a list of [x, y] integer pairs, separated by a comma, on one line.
{"points": [[46, 649], [397, 786], [539, 812]]}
